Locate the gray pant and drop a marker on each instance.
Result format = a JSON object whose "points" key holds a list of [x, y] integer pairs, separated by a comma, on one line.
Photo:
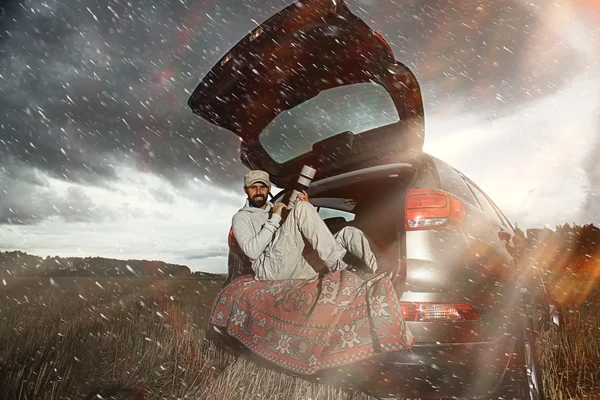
{"points": [[282, 259]]}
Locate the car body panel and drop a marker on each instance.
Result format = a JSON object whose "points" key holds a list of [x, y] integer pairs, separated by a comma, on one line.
{"points": [[461, 370]]}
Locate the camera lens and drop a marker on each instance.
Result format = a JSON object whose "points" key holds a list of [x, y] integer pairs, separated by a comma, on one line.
{"points": [[306, 176]]}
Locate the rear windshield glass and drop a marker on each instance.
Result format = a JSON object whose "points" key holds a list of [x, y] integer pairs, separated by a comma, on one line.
{"points": [[356, 108]]}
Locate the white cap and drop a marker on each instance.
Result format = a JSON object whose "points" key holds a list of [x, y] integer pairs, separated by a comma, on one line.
{"points": [[256, 175]]}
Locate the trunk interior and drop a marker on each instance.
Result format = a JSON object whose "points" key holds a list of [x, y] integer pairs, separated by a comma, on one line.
{"points": [[371, 200]]}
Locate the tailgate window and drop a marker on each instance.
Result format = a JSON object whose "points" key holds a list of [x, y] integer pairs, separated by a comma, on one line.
{"points": [[375, 207], [330, 213], [356, 108]]}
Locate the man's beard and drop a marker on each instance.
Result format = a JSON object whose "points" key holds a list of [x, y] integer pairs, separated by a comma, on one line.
{"points": [[257, 201]]}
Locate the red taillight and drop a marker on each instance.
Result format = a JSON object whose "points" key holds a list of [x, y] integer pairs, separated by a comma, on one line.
{"points": [[429, 312], [432, 209], [230, 237]]}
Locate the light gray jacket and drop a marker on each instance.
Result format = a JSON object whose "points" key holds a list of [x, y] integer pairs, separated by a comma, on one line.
{"points": [[254, 230]]}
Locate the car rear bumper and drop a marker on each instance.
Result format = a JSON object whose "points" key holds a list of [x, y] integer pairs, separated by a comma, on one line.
{"points": [[466, 370]]}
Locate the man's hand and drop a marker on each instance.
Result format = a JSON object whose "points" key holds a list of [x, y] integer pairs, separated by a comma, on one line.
{"points": [[278, 208], [303, 196]]}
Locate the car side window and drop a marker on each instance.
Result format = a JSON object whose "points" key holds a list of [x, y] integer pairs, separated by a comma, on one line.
{"points": [[453, 182], [502, 217], [485, 204], [332, 213], [427, 176]]}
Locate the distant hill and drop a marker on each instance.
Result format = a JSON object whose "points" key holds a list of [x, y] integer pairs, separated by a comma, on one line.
{"points": [[21, 264]]}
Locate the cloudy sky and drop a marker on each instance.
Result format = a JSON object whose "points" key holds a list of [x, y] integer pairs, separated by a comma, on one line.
{"points": [[100, 155]]}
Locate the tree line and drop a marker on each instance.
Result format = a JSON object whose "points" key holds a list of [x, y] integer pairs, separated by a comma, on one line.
{"points": [[574, 247], [21, 264], [566, 247]]}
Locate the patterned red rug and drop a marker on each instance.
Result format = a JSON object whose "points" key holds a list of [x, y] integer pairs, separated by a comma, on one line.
{"points": [[306, 326]]}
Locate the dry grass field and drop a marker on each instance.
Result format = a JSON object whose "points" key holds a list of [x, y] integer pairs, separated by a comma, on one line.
{"points": [[119, 338]]}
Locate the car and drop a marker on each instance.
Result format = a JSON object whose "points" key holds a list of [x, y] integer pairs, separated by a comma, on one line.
{"points": [[315, 85]]}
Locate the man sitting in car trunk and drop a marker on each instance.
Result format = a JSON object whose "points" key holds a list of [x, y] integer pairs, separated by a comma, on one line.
{"points": [[275, 247]]}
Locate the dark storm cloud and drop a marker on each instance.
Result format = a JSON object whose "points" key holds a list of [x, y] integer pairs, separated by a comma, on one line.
{"points": [[27, 199], [208, 254], [482, 56], [86, 86]]}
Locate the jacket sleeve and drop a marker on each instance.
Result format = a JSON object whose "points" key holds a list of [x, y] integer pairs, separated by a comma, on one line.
{"points": [[253, 245]]}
